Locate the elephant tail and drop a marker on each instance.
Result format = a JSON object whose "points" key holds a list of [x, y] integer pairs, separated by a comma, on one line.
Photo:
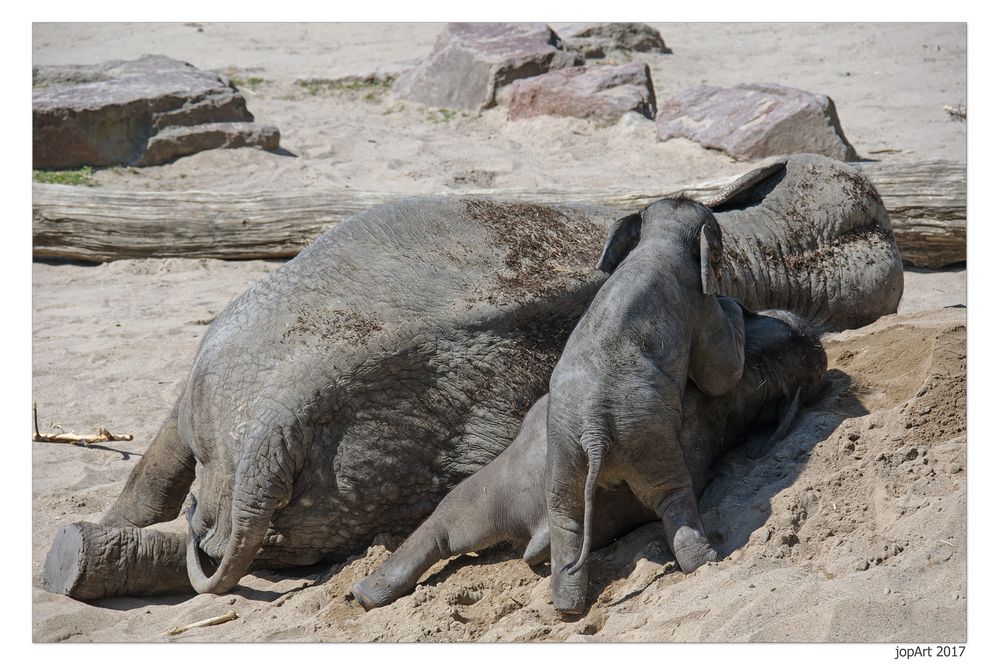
{"points": [[595, 448], [258, 492], [240, 552]]}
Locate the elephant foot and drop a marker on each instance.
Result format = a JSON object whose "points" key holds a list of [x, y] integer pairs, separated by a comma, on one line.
{"points": [[569, 591], [692, 549], [537, 551], [374, 591], [88, 561]]}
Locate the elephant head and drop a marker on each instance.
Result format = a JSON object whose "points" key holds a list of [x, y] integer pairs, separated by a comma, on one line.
{"points": [[666, 216], [785, 368]]}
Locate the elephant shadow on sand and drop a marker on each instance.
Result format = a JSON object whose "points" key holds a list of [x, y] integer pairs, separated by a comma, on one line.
{"points": [[735, 503]]}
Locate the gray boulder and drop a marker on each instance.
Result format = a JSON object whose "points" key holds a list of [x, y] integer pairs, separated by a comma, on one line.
{"points": [[174, 142], [597, 93], [755, 120], [127, 113], [597, 40], [470, 62]]}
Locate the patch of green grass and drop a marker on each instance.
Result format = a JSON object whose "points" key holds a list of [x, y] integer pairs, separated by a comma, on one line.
{"points": [[83, 177], [441, 115], [372, 85], [251, 83]]}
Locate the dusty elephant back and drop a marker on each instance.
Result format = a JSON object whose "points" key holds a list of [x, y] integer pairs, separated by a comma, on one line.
{"points": [[810, 235]]}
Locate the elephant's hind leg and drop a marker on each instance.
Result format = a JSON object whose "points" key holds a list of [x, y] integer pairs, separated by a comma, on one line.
{"points": [[666, 489], [466, 520], [88, 562], [157, 486], [685, 533]]}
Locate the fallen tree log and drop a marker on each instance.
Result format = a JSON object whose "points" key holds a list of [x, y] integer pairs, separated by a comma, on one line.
{"points": [[925, 200]]}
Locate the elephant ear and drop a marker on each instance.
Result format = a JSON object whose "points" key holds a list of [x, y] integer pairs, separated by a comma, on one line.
{"points": [[623, 236], [710, 244], [748, 189], [761, 445]]}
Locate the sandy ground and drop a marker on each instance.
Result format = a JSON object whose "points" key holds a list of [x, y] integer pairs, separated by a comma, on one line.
{"points": [[853, 529]]}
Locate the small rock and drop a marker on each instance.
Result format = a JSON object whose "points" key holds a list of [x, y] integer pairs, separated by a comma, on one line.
{"points": [[175, 142], [861, 565], [596, 93], [633, 121], [755, 120], [789, 539], [599, 39]]}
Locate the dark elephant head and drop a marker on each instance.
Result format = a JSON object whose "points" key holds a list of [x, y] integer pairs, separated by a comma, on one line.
{"points": [[784, 371]]}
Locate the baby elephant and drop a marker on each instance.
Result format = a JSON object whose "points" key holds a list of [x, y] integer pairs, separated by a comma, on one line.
{"points": [[615, 395], [505, 500]]}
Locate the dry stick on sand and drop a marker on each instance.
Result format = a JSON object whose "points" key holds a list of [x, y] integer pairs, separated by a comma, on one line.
{"points": [[102, 435], [217, 620], [957, 113]]}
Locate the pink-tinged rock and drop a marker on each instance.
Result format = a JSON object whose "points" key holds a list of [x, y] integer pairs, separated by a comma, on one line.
{"points": [[471, 61], [755, 120], [116, 113], [604, 94]]}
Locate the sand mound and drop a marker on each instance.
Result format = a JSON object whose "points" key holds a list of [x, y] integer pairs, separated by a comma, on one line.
{"points": [[853, 528]]}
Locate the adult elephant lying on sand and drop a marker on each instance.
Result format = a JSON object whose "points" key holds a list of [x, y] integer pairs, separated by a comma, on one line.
{"points": [[344, 395], [505, 500]]}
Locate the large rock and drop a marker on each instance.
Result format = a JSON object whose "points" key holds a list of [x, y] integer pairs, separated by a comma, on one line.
{"points": [[597, 40], [123, 113], [755, 120], [471, 61], [596, 93]]}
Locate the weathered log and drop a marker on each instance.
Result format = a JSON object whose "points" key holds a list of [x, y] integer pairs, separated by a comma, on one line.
{"points": [[926, 201]]}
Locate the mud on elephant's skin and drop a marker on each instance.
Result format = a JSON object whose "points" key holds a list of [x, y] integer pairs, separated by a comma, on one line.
{"points": [[343, 396], [505, 501]]}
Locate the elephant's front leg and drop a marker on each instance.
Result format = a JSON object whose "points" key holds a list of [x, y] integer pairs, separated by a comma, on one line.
{"points": [[159, 483], [565, 474]]}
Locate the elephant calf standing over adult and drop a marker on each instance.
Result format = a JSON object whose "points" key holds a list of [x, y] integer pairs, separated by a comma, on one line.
{"points": [[346, 394], [505, 501]]}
